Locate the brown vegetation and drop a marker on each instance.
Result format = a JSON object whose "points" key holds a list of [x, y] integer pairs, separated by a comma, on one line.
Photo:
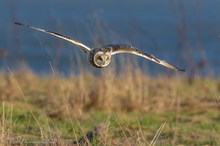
{"points": [[128, 91], [75, 96]]}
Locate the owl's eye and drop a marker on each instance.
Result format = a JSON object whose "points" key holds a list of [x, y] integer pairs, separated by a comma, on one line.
{"points": [[99, 58]]}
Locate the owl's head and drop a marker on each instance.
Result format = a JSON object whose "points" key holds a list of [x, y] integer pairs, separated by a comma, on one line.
{"points": [[102, 59]]}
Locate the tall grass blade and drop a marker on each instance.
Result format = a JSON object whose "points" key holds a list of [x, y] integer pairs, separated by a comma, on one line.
{"points": [[157, 134]]}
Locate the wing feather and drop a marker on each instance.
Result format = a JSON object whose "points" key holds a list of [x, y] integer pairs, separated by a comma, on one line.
{"points": [[67, 38], [116, 49]]}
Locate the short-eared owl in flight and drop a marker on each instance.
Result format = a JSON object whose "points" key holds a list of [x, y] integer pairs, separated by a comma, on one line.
{"points": [[101, 57]]}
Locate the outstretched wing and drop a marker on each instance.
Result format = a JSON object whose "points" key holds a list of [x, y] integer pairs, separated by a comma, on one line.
{"points": [[76, 42], [116, 49]]}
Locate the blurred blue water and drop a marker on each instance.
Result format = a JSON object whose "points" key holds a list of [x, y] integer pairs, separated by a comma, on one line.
{"points": [[185, 33]]}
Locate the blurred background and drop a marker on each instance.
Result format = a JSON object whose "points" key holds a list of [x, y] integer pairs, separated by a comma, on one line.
{"points": [[185, 33]]}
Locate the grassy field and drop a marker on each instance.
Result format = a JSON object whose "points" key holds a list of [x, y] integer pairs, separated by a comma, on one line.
{"points": [[130, 108]]}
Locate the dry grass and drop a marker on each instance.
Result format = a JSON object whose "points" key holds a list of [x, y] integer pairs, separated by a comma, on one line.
{"points": [[133, 104], [131, 91]]}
